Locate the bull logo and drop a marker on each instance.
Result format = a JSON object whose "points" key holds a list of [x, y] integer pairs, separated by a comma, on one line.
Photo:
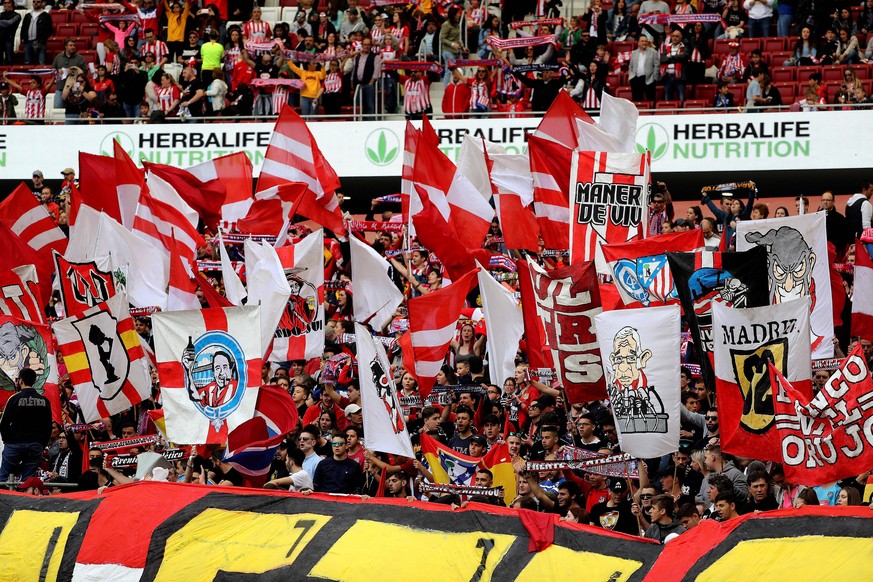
{"points": [[753, 379]]}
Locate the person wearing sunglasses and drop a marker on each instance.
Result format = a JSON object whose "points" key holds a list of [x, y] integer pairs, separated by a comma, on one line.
{"points": [[339, 473]]}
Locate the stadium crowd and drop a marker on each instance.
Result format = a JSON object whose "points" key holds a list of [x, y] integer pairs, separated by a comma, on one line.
{"points": [[327, 451], [151, 61]]}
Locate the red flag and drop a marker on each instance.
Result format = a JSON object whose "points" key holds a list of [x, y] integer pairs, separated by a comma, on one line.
{"points": [[83, 284], [269, 213], [432, 322], [36, 281], [97, 186], [436, 235], [165, 227], [233, 171], [559, 122], [550, 171], [182, 291], [24, 216], [206, 197], [293, 156], [129, 182], [513, 195], [862, 300], [827, 438], [213, 297], [538, 356]]}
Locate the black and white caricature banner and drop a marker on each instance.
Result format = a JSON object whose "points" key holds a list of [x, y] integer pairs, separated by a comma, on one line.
{"points": [[639, 349], [383, 417], [797, 266]]}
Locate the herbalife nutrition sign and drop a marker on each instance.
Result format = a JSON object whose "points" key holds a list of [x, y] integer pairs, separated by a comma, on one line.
{"points": [[732, 141]]}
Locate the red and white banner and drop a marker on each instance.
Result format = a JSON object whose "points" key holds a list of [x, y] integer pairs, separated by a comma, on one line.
{"points": [[106, 362], [469, 194], [862, 299], [797, 257], [513, 197], [610, 195], [161, 224], [521, 41], [83, 284], [567, 300], [205, 197], [640, 354], [209, 363], [559, 122], [383, 417], [827, 438], [640, 269], [300, 333], [21, 297], [744, 342]]}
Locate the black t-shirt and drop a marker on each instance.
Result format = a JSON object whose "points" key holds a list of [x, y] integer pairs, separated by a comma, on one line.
{"points": [[189, 89], [462, 445], [618, 518], [233, 476]]}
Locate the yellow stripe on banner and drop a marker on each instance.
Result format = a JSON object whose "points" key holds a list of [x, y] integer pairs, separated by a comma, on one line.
{"points": [[800, 559], [554, 562], [130, 339], [236, 542], [76, 362], [33, 540], [439, 474], [369, 548]]}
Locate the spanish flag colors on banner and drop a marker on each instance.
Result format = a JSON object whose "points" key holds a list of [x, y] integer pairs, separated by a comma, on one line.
{"points": [[454, 468]]}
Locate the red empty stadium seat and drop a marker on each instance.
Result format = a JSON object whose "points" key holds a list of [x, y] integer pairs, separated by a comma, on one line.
{"points": [[291, 3], [613, 80], [697, 104], [720, 46], [643, 105], [79, 17], [786, 90], [783, 74], [832, 72], [868, 86], [747, 45], [863, 72], [624, 93], [89, 56], [59, 16], [805, 71], [738, 89], [668, 105], [67, 30], [773, 45], [705, 92], [54, 46], [624, 46], [777, 59], [89, 29]]}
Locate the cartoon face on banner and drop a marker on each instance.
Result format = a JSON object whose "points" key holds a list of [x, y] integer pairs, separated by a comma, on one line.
{"points": [[708, 285], [215, 369], [303, 312], [635, 403], [646, 279], [107, 355], [383, 386], [22, 346], [753, 379]]}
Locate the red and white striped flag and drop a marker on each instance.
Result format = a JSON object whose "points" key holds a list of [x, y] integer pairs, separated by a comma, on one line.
{"points": [[433, 322], [205, 197], [21, 294], [182, 291], [160, 189], [300, 333], [469, 194], [513, 195], [24, 215], [293, 156], [129, 181], [862, 300], [104, 358], [166, 228], [209, 364], [233, 171], [557, 124], [609, 200], [550, 172]]}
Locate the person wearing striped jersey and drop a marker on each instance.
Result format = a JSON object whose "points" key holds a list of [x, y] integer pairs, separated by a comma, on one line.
{"points": [[156, 47], [416, 95], [480, 91], [34, 97], [256, 30], [333, 87]]}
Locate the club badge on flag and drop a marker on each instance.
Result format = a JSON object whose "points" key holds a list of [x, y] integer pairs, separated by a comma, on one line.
{"points": [[209, 363], [383, 417], [705, 278], [567, 300], [84, 284], [609, 199], [745, 342], [446, 465], [21, 293], [640, 269], [797, 257], [828, 438], [640, 354], [25, 344], [300, 334], [107, 365]]}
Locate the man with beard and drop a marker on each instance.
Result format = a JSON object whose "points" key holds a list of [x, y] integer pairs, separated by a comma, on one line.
{"points": [[223, 386]]}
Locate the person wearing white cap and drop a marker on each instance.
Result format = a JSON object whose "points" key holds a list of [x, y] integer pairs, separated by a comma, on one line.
{"points": [[354, 415]]}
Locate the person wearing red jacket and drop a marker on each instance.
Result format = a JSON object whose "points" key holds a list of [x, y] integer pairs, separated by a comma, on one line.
{"points": [[456, 99]]}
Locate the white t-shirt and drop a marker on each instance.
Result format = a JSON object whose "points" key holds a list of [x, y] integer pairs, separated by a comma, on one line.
{"points": [[300, 480]]}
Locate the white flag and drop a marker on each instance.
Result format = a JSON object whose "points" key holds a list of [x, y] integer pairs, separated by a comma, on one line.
{"points": [[384, 426], [505, 325], [374, 294], [797, 257], [618, 118], [233, 287], [268, 288], [592, 137], [639, 349], [209, 362]]}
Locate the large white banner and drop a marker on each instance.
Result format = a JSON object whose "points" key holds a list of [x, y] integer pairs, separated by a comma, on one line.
{"points": [[797, 260], [679, 143], [639, 349]]}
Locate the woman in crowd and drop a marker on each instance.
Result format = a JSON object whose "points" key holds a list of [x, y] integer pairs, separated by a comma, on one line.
{"points": [[310, 95], [694, 215], [168, 94], [217, 91], [333, 86], [177, 23], [233, 50], [468, 344], [805, 49]]}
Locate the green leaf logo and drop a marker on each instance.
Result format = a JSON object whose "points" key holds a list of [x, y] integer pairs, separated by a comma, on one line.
{"points": [[654, 138], [382, 147]]}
